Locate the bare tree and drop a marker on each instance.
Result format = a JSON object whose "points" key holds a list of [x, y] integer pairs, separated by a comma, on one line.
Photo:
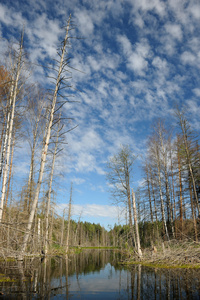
{"points": [[59, 81], [34, 115], [186, 134], [69, 218], [49, 191], [9, 133], [154, 153], [164, 150], [136, 226], [119, 175]]}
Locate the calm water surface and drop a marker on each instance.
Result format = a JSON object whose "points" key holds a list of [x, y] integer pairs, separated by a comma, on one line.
{"points": [[95, 274]]}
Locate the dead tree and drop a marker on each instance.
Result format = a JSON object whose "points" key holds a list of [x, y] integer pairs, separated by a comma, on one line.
{"points": [[136, 226], [49, 192], [59, 81], [13, 96], [69, 217]]}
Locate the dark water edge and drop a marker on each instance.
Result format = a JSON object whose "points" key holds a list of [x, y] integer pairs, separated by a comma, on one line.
{"points": [[94, 274]]}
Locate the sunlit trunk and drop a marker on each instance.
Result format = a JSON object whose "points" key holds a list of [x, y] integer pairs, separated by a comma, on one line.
{"points": [[46, 144], [161, 194], [10, 129], [49, 192], [68, 222], [136, 226]]}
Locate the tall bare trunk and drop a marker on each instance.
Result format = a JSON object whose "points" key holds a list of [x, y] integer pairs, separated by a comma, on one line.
{"points": [[193, 215], [69, 217], [154, 197], [9, 177], [161, 194], [180, 189], [8, 116], [51, 228], [173, 193], [149, 193], [49, 192], [10, 131], [183, 124], [129, 203], [3, 132], [166, 180], [62, 228], [136, 226], [45, 148]]}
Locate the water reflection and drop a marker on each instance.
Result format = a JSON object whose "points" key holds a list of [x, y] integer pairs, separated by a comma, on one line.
{"points": [[94, 275]]}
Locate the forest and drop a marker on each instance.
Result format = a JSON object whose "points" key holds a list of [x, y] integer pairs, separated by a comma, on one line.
{"points": [[165, 208]]}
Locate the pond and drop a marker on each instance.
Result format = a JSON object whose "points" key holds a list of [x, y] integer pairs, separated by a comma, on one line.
{"points": [[94, 274]]}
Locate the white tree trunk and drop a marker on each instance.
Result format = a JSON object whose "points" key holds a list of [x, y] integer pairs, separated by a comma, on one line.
{"points": [[49, 193], [45, 148], [30, 178], [136, 226], [166, 181], [9, 107], [10, 130], [69, 216], [161, 194], [39, 230], [62, 229]]}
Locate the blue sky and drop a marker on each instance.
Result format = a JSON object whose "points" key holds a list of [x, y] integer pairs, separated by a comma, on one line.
{"points": [[138, 59]]}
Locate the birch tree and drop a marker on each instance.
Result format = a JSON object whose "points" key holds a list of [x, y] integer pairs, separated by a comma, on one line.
{"points": [[9, 133]]}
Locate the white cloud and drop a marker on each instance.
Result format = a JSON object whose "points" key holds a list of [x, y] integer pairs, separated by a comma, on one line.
{"points": [[188, 58], [77, 180], [195, 11], [92, 210], [10, 17], [103, 62], [148, 5], [125, 44], [44, 36], [84, 22], [193, 107], [174, 30], [197, 92], [161, 65], [135, 56], [137, 63]]}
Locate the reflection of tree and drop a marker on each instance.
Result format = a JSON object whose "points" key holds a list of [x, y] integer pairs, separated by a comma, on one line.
{"points": [[133, 282], [21, 280], [66, 277], [51, 277], [138, 282]]}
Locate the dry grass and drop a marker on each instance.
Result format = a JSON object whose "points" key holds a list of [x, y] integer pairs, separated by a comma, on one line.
{"points": [[174, 253]]}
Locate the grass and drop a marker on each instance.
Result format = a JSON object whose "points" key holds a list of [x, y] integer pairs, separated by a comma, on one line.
{"points": [[100, 247], [162, 265]]}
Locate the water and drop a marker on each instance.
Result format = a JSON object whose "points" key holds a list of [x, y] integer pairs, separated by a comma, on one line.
{"points": [[94, 274]]}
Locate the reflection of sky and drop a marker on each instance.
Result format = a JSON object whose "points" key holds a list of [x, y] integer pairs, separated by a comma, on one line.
{"points": [[109, 283], [107, 279]]}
